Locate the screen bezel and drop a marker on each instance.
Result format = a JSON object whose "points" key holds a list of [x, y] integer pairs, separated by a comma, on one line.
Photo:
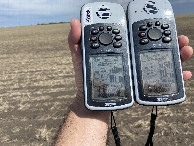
{"points": [[120, 65], [153, 53], [118, 101], [167, 97]]}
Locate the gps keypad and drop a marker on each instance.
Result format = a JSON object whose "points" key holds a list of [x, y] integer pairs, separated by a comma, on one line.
{"points": [[153, 31], [105, 35]]}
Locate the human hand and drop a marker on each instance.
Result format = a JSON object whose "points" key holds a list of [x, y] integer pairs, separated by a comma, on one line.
{"points": [[186, 52], [74, 40]]}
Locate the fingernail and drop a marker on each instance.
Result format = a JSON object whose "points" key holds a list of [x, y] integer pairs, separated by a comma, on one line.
{"points": [[74, 20], [187, 75]]}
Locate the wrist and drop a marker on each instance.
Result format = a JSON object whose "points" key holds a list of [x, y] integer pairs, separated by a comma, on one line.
{"points": [[78, 108]]}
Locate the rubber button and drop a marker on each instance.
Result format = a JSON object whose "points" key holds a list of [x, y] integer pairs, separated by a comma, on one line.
{"points": [[167, 32], [109, 28], [116, 31], [95, 45], [94, 31], [157, 23], [117, 44], [93, 38], [154, 34], [142, 34], [118, 37], [167, 39], [143, 28], [149, 24], [165, 26], [144, 41], [101, 28], [105, 38]]}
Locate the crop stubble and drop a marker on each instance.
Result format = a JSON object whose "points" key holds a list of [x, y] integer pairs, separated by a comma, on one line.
{"points": [[37, 86]]}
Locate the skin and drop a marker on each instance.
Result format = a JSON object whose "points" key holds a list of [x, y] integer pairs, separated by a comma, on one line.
{"points": [[86, 127]]}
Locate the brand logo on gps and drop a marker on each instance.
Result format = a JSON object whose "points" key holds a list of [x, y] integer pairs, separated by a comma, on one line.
{"points": [[110, 104], [150, 7]]}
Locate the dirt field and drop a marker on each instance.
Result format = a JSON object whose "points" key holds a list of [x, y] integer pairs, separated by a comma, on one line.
{"points": [[37, 87]]}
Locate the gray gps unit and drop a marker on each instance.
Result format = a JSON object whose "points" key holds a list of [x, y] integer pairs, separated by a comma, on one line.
{"points": [[106, 61], [156, 62]]}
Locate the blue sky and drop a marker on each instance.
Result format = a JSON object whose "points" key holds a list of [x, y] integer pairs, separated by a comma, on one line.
{"points": [[32, 12]]}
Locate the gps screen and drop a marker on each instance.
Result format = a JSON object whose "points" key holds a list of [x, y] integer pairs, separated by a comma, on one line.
{"points": [[158, 73], [107, 76]]}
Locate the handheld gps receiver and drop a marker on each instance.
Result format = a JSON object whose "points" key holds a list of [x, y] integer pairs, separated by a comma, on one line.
{"points": [[157, 70], [105, 52]]}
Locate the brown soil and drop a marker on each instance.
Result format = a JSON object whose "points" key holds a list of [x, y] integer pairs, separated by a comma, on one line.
{"points": [[37, 87]]}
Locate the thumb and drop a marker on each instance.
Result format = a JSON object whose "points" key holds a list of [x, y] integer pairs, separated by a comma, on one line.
{"points": [[74, 37]]}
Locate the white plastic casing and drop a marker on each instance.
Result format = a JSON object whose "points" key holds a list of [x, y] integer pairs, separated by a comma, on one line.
{"points": [[136, 13], [117, 16]]}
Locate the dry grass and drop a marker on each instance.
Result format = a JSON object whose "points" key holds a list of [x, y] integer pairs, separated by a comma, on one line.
{"points": [[37, 87], [36, 83]]}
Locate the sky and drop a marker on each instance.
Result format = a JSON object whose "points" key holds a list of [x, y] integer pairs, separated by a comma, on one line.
{"points": [[33, 12]]}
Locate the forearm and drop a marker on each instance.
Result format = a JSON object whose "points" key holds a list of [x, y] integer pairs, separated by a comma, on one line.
{"points": [[84, 127]]}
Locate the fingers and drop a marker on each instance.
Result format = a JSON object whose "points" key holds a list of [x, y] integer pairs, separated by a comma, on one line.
{"points": [[74, 43], [183, 41], [74, 40], [187, 75], [186, 52], [75, 33]]}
